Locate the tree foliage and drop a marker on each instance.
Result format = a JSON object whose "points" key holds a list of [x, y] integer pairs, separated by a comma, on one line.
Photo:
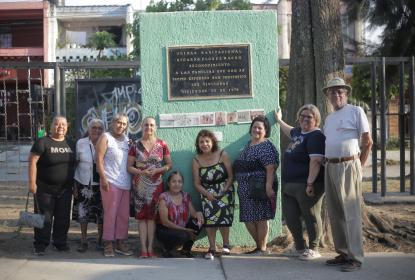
{"points": [[397, 18], [182, 5], [197, 5], [101, 40]]}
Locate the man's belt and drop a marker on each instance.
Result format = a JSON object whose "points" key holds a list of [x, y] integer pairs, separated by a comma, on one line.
{"points": [[341, 159]]}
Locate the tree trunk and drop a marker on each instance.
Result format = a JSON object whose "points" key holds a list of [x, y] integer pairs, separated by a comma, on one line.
{"points": [[316, 56], [316, 53]]}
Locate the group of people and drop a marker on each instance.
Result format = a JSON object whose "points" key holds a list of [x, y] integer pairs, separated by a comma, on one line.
{"points": [[105, 174]]}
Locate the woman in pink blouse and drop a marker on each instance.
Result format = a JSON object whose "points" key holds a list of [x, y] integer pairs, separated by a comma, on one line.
{"points": [[180, 223]]}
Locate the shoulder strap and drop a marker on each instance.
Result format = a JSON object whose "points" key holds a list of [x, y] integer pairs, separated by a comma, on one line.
{"points": [[220, 156], [198, 162]]}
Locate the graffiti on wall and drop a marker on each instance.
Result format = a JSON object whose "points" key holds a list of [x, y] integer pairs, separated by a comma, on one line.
{"points": [[104, 98]]}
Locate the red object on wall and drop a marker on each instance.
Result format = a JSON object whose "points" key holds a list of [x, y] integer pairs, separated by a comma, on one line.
{"points": [[8, 74]]}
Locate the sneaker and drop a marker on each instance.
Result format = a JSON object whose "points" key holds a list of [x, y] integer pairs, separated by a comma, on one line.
{"points": [[292, 252], [122, 250], [338, 260], [260, 252], [108, 250], [38, 251], [309, 255], [210, 255], [351, 266], [62, 248], [226, 250]]}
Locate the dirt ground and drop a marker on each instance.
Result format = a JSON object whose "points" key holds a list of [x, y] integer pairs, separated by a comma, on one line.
{"points": [[17, 242]]}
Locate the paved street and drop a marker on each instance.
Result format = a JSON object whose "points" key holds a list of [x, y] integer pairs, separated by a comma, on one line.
{"points": [[378, 266]]}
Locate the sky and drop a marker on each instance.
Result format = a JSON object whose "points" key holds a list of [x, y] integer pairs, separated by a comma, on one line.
{"points": [[137, 4]]}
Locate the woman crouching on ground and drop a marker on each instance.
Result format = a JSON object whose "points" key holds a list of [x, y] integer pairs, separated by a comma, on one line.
{"points": [[180, 223]]}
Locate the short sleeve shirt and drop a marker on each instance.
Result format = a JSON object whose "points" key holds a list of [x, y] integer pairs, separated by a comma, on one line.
{"points": [[177, 214], [303, 145], [55, 167], [343, 129]]}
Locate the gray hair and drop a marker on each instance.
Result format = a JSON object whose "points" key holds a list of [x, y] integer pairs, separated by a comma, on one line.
{"points": [[91, 124], [313, 109], [119, 116], [95, 121]]}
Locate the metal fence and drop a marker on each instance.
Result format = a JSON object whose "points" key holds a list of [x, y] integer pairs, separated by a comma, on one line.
{"points": [[378, 110], [53, 101], [27, 102]]}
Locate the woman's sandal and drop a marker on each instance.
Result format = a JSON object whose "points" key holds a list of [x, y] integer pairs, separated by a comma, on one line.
{"points": [[143, 255]]}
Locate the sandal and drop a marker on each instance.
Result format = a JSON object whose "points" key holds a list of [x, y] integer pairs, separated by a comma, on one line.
{"points": [[143, 255]]}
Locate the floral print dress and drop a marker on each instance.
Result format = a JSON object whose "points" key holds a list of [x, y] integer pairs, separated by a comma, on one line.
{"points": [[146, 190], [217, 213]]}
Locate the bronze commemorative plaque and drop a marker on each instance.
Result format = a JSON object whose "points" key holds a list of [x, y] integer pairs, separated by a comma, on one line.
{"points": [[209, 72]]}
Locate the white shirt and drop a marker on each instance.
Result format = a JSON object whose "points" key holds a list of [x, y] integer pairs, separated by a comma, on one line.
{"points": [[115, 162], [343, 129], [85, 156]]}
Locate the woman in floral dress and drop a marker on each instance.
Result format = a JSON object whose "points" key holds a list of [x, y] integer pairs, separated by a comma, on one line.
{"points": [[87, 207], [148, 159], [213, 179]]}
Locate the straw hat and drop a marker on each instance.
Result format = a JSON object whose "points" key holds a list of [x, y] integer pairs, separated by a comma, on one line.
{"points": [[337, 82]]}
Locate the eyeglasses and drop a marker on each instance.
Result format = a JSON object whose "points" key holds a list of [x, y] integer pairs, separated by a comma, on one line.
{"points": [[97, 128], [306, 117], [337, 91]]}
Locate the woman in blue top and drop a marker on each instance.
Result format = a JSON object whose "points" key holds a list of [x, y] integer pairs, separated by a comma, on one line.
{"points": [[303, 180]]}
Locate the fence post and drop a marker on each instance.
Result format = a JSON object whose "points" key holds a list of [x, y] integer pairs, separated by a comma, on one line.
{"points": [[402, 125], [374, 129], [383, 130], [62, 90], [57, 91], [412, 125]]}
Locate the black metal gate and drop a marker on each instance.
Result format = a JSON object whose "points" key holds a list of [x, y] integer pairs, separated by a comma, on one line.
{"points": [[28, 99]]}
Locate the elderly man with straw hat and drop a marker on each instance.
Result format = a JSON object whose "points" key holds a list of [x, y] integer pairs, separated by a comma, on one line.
{"points": [[348, 143]]}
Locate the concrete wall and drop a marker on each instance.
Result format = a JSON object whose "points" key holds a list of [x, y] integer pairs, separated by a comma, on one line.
{"points": [[161, 30]]}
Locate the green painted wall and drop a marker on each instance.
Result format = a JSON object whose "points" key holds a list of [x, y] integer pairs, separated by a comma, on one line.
{"points": [[161, 30]]}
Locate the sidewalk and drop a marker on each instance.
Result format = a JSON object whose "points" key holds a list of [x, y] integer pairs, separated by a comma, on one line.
{"points": [[378, 266]]}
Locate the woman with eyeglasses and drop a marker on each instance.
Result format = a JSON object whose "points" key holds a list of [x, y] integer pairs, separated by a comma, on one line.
{"points": [[87, 207], [303, 181]]}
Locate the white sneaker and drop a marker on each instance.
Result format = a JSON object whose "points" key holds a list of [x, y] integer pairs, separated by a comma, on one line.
{"points": [[209, 256], [292, 252], [226, 250], [309, 255]]}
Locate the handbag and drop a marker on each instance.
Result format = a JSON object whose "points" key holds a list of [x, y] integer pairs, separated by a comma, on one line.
{"points": [[31, 219], [257, 187]]}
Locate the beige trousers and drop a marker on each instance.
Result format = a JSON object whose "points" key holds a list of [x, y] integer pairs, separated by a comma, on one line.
{"points": [[343, 194]]}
